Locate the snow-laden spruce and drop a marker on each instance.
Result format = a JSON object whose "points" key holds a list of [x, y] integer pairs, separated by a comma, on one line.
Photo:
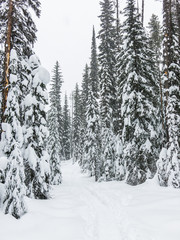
{"points": [[83, 108], [107, 63], [55, 127], [66, 130], [138, 92], [169, 159], [12, 140], [76, 122], [54, 146], [36, 158], [56, 85], [91, 162]]}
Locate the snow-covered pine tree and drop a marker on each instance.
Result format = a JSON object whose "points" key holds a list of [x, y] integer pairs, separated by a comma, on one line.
{"points": [[91, 161], [155, 41], [119, 163], [94, 67], [107, 35], [54, 118], [84, 95], [76, 124], [140, 106], [119, 167], [18, 31], [169, 160], [12, 139], [155, 35], [83, 108], [66, 130], [57, 81], [53, 141], [118, 45], [36, 158]]}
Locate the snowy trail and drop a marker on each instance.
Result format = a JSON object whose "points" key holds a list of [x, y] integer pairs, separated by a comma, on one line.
{"points": [[101, 211], [99, 223], [81, 209]]}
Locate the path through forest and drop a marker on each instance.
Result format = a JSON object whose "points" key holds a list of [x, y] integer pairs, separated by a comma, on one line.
{"points": [[81, 209], [94, 210]]}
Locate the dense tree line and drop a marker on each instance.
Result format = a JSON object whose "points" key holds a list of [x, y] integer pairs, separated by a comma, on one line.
{"points": [[132, 116]]}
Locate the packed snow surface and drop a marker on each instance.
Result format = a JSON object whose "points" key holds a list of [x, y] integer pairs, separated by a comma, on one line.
{"points": [[81, 209]]}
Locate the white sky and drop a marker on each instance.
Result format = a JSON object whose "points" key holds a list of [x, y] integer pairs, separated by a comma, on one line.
{"points": [[65, 33]]}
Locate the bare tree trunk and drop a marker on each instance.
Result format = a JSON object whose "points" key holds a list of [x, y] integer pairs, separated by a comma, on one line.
{"points": [[142, 18], [117, 16], [7, 59], [178, 16]]}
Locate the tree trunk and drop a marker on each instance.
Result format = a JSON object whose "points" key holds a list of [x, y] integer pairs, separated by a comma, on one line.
{"points": [[117, 16], [7, 59], [178, 16], [142, 19]]}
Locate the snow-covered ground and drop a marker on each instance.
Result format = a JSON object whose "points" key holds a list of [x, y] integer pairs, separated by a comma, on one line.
{"points": [[81, 209]]}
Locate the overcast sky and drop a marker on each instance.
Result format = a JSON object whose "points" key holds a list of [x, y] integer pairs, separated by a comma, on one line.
{"points": [[65, 33]]}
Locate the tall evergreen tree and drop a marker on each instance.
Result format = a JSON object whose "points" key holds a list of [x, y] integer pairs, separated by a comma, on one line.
{"points": [[155, 41], [54, 143], [84, 95], [57, 81], [119, 168], [139, 108], [36, 158], [54, 139], [83, 108], [94, 80], [118, 46], [18, 31], [76, 124], [169, 161], [92, 135], [92, 145], [66, 130], [107, 35], [13, 202], [155, 34], [107, 47], [54, 146]]}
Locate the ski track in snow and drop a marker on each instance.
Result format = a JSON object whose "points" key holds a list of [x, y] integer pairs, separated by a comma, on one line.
{"points": [[81, 209]]}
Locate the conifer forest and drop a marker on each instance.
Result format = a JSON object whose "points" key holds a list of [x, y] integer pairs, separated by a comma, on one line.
{"points": [[92, 164]]}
